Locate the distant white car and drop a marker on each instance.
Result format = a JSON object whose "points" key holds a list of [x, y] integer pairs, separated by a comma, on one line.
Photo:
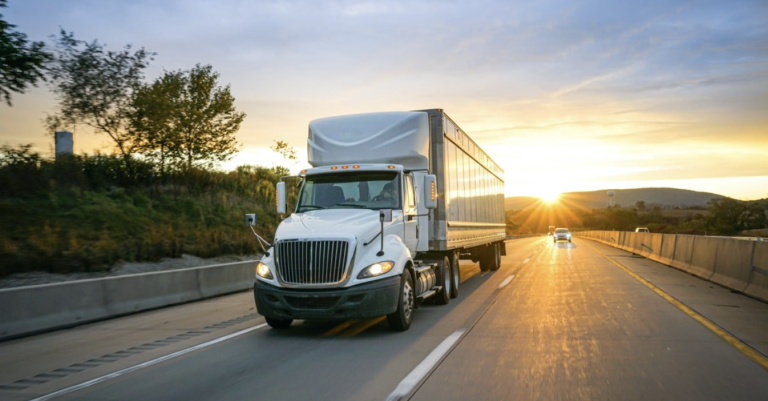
{"points": [[642, 230], [561, 234]]}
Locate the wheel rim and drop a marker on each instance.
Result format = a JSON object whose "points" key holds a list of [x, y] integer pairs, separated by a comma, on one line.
{"points": [[407, 300]]}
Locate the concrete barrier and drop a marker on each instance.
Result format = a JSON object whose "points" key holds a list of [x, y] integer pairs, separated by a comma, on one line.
{"points": [[630, 243], [758, 275], [732, 263], [38, 308], [138, 292], [644, 244], [683, 252], [622, 239], [656, 241], [223, 279], [667, 252], [703, 257], [729, 261]]}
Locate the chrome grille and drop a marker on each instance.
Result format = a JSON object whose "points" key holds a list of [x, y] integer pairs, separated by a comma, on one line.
{"points": [[312, 262]]}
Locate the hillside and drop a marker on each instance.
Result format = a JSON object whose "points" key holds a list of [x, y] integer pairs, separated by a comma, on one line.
{"points": [[669, 197], [87, 213]]}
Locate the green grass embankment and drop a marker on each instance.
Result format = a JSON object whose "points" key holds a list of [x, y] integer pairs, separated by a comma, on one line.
{"points": [[86, 224]]}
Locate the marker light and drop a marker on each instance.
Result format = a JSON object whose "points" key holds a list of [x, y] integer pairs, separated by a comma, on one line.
{"points": [[356, 166], [333, 167], [303, 172], [263, 271], [432, 192], [390, 167], [344, 167]]}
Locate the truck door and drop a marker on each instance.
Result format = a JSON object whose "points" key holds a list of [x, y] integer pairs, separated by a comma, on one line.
{"points": [[410, 220]]}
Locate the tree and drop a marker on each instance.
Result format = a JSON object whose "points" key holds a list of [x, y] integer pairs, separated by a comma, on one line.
{"points": [[154, 109], [22, 63], [640, 205], [95, 87], [286, 151], [204, 119], [731, 216]]}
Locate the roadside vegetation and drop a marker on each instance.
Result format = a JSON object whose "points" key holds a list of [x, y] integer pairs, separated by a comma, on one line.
{"points": [[85, 213], [157, 193]]}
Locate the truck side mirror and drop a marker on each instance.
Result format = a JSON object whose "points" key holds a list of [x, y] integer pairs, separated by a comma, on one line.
{"points": [[280, 197], [430, 191], [385, 215], [250, 219]]}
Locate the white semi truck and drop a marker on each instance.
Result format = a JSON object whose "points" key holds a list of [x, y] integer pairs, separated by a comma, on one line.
{"points": [[391, 204]]}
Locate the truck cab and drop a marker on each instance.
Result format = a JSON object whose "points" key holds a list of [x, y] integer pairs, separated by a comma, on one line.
{"points": [[369, 235]]}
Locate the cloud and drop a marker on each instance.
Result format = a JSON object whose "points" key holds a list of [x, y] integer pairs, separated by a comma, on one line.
{"points": [[665, 78]]}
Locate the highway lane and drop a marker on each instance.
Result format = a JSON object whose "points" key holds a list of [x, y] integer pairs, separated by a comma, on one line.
{"points": [[574, 326], [352, 360], [557, 321]]}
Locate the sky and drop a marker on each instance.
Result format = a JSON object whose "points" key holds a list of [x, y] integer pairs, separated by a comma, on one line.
{"points": [[564, 95]]}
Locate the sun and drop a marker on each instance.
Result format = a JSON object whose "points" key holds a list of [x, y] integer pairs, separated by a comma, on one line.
{"points": [[550, 197]]}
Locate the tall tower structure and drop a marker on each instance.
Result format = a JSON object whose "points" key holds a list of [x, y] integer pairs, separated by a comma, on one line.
{"points": [[611, 194], [65, 143]]}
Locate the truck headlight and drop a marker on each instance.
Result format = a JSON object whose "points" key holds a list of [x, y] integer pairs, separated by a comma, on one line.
{"points": [[376, 269], [263, 271]]}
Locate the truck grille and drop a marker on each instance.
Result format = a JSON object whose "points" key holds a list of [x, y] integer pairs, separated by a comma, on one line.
{"points": [[312, 262]]}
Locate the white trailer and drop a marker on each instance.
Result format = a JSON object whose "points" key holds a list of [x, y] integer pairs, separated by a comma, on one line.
{"points": [[393, 201]]}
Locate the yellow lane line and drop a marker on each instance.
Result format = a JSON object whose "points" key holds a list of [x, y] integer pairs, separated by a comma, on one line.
{"points": [[365, 325], [743, 347], [339, 328]]}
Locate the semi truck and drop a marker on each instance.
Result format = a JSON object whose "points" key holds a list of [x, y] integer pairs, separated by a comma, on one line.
{"points": [[391, 204]]}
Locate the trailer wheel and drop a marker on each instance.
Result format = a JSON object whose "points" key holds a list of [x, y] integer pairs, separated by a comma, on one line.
{"points": [[445, 278], [496, 257], [455, 274], [278, 323], [401, 319], [486, 259]]}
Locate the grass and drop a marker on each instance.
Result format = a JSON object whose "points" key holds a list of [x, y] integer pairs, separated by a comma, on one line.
{"points": [[82, 224]]}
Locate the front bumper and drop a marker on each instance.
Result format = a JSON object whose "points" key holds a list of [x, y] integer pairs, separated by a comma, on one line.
{"points": [[359, 302], [562, 238]]}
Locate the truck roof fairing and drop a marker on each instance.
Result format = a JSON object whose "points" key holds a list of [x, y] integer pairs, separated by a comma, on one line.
{"points": [[389, 138]]}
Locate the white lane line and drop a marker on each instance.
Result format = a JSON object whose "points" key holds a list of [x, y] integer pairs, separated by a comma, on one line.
{"points": [[527, 260], [145, 364], [506, 281], [417, 374]]}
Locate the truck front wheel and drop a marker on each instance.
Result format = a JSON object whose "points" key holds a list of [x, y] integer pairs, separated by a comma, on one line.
{"points": [[401, 319], [278, 323]]}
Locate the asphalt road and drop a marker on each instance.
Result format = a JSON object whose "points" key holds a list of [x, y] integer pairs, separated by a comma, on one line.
{"points": [[556, 322]]}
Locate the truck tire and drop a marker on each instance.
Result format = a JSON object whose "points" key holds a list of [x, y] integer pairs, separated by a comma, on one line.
{"points": [[445, 278], [278, 323], [455, 274], [486, 259], [496, 264], [401, 319]]}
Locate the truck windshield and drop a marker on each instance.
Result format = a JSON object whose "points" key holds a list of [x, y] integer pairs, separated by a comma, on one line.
{"points": [[371, 190]]}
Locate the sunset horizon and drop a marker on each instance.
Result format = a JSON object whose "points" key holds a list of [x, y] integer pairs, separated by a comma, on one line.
{"points": [[564, 97]]}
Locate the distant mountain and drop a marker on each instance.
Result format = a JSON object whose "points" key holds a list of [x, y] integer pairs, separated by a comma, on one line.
{"points": [[668, 197]]}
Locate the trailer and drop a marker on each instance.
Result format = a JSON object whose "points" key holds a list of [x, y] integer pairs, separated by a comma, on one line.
{"points": [[392, 203]]}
